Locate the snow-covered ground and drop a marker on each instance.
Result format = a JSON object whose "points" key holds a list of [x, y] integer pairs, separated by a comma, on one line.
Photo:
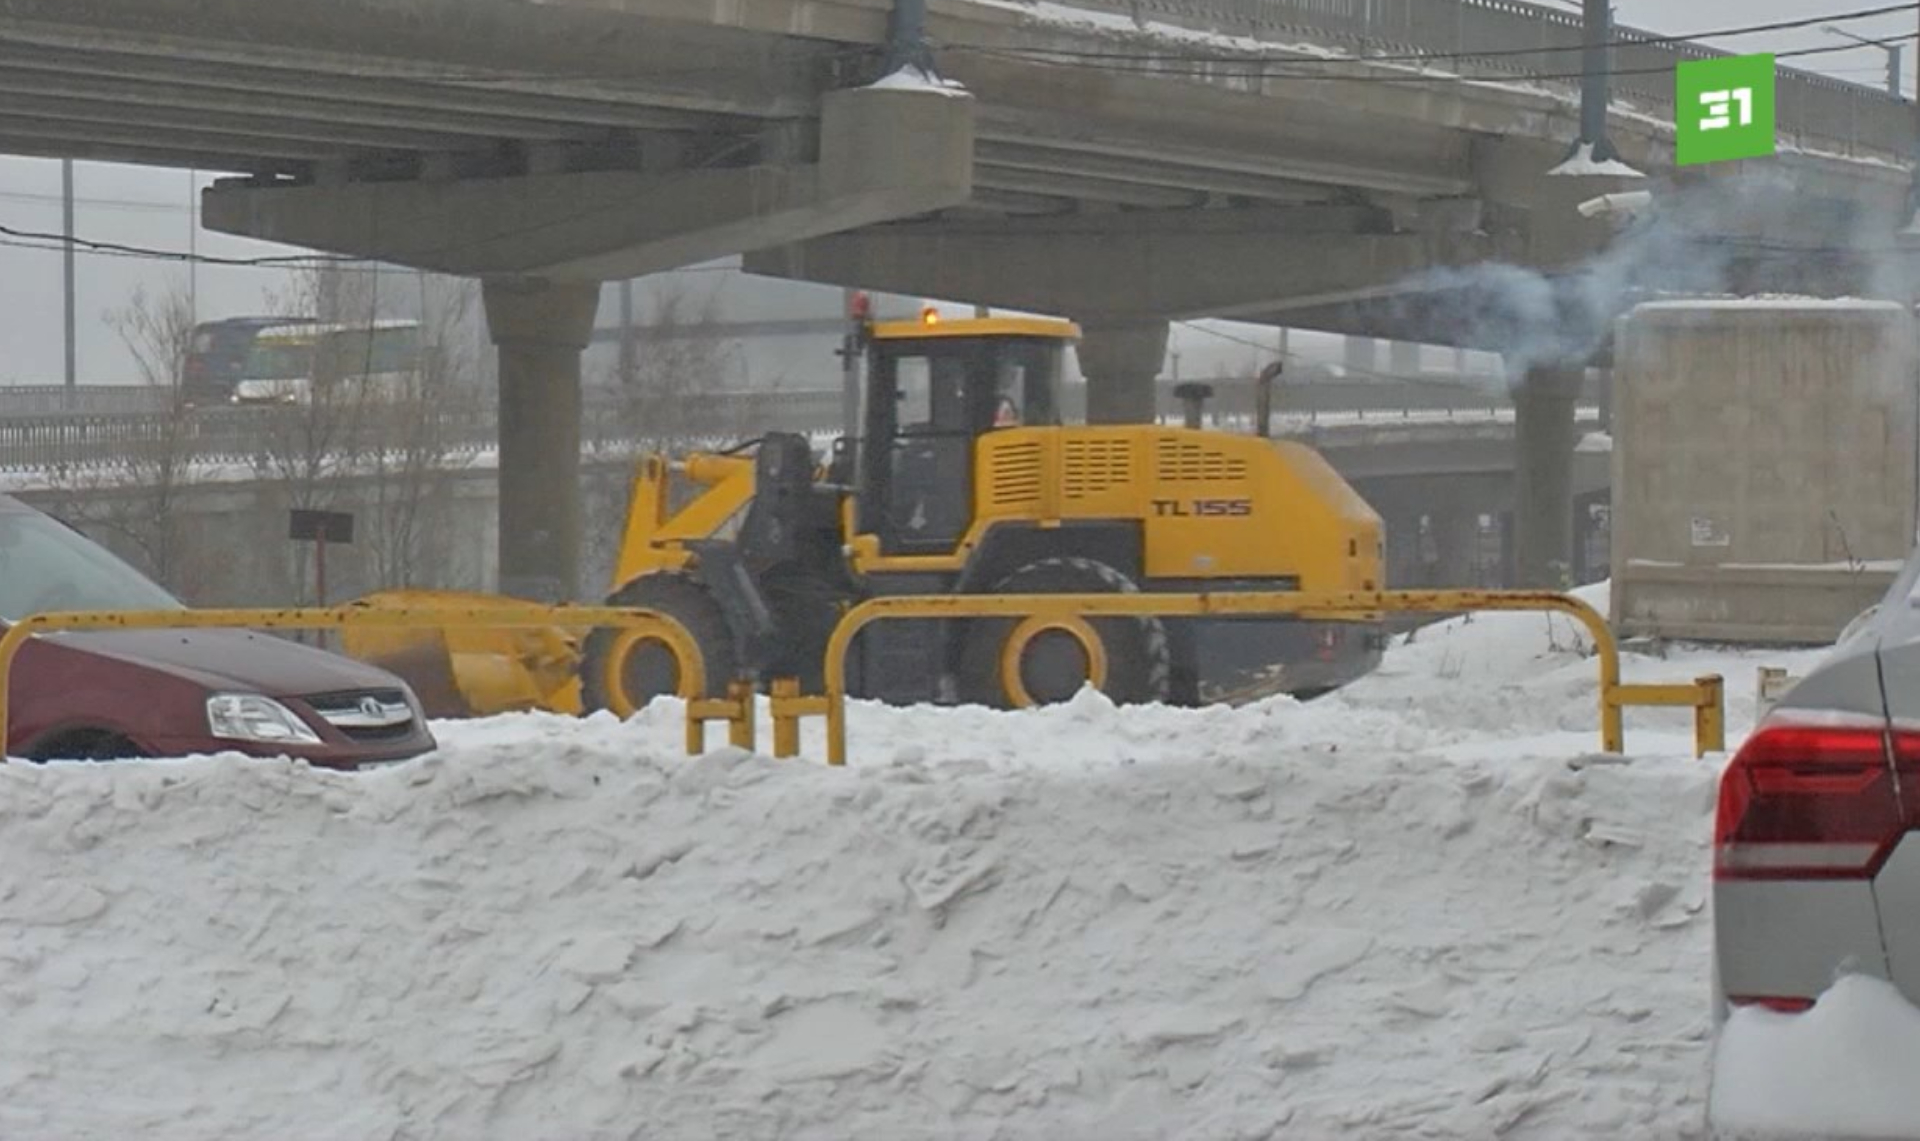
{"points": [[1419, 908]]}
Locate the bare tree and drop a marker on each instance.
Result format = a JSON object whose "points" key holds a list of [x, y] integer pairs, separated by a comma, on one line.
{"points": [[417, 441], [384, 418], [307, 444], [670, 390], [135, 501]]}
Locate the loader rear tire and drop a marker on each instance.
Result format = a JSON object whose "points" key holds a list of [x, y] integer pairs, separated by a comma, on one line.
{"points": [[647, 667], [1052, 661]]}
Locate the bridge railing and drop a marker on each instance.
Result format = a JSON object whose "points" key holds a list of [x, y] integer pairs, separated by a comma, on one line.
{"points": [[93, 399], [1816, 112], [138, 444]]}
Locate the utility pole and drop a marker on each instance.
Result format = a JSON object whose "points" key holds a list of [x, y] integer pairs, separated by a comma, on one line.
{"points": [[907, 37], [1596, 83], [627, 355], [1912, 228], [856, 310], [66, 214], [193, 246]]}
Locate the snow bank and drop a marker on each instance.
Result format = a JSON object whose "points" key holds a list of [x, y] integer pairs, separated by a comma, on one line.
{"points": [[1844, 1068], [1415, 909]]}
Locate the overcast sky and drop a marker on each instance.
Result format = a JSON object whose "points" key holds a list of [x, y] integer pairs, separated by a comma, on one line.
{"points": [[151, 208]]}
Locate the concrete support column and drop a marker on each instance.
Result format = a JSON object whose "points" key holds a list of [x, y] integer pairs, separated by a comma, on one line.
{"points": [[1544, 439], [540, 329], [1362, 354], [1456, 533], [1121, 364]]}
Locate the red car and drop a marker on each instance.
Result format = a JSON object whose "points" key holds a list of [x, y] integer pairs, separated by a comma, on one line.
{"points": [[169, 693]]}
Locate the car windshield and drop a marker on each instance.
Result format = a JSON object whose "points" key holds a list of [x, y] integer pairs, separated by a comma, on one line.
{"points": [[45, 565]]}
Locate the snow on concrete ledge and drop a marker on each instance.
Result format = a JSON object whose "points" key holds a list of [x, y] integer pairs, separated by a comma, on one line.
{"points": [[1772, 301], [1844, 1068], [1583, 164], [912, 78]]}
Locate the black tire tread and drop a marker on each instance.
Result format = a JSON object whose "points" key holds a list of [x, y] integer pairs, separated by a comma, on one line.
{"points": [[679, 597], [1158, 647]]}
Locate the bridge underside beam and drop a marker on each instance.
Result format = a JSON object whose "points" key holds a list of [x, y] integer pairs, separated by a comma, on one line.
{"points": [[1136, 264], [882, 155]]}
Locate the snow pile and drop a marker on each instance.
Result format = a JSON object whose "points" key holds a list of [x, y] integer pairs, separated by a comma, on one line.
{"points": [[1419, 909], [1844, 1068]]}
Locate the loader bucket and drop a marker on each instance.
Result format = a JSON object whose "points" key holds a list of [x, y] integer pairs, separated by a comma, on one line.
{"points": [[469, 671]]}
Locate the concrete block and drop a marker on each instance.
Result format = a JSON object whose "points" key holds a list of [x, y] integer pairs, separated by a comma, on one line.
{"points": [[1764, 466]]}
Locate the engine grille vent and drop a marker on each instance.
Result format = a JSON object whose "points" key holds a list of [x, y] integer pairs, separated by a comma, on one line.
{"points": [[1182, 461], [1095, 466], [1016, 475]]}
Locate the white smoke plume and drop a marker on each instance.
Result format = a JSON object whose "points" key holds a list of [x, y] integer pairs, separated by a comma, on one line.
{"points": [[1684, 245]]}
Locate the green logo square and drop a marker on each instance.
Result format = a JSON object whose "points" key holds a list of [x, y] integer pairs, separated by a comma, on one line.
{"points": [[1724, 110]]}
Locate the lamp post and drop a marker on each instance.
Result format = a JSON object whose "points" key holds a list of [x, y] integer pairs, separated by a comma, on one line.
{"points": [[1896, 54]]}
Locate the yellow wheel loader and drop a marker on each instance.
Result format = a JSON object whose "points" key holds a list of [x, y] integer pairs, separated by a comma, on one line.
{"points": [[963, 479]]}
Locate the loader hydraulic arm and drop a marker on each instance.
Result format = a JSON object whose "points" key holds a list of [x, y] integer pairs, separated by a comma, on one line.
{"points": [[656, 533]]}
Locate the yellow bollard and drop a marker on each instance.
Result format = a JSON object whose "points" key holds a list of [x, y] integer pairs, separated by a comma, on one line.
{"points": [[1710, 716], [786, 722], [740, 724]]}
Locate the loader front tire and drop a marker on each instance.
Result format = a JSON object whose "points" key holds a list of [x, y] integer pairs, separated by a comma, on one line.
{"points": [[1009, 664], [623, 670]]}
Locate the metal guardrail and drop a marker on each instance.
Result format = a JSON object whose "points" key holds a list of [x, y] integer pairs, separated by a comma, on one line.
{"points": [[1816, 112], [1706, 696]]}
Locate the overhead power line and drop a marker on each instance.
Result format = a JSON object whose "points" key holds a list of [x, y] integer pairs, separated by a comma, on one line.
{"points": [[60, 241]]}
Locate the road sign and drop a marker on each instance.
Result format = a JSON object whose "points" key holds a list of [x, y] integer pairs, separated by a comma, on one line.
{"points": [[1724, 110], [320, 526]]}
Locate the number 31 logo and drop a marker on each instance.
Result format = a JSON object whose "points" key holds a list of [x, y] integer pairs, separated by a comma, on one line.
{"points": [[1720, 104], [1725, 109]]}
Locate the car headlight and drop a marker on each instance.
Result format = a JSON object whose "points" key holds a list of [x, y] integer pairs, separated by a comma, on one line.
{"points": [[250, 717]]}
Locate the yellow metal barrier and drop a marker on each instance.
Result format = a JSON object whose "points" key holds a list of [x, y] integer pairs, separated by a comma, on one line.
{"points": [[784, 698], [1705, 696], [660, 625]]}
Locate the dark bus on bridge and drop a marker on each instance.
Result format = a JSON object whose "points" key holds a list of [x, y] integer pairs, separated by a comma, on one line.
{"points": [[217, 356]]}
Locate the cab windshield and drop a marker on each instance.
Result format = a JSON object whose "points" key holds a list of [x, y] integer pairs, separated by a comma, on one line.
{"points": [[45, 566]]}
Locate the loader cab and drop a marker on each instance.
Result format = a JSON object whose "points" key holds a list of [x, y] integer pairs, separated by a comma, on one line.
{"points": [[934, 387]]}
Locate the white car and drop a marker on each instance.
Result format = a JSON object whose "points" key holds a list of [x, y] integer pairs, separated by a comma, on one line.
{"points": [[1816, 872]]}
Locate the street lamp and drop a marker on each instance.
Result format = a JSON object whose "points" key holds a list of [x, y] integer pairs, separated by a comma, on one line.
{"points": [[1895, 50]]}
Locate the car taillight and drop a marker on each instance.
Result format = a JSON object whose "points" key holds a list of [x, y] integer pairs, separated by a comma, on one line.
{"points": [[1809, 801]]}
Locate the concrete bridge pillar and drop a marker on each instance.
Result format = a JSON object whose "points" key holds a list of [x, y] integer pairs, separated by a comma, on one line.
{"points": [[540, 329], [1544, 438], [1456, 535], [1121, 363]]}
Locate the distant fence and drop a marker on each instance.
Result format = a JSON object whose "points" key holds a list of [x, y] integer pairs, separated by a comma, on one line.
{"points": [[57, 399], [259, 436], [1815, 111]]}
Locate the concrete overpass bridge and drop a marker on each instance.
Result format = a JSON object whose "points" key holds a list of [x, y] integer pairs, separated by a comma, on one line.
{"points": [[1121, 163]]}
